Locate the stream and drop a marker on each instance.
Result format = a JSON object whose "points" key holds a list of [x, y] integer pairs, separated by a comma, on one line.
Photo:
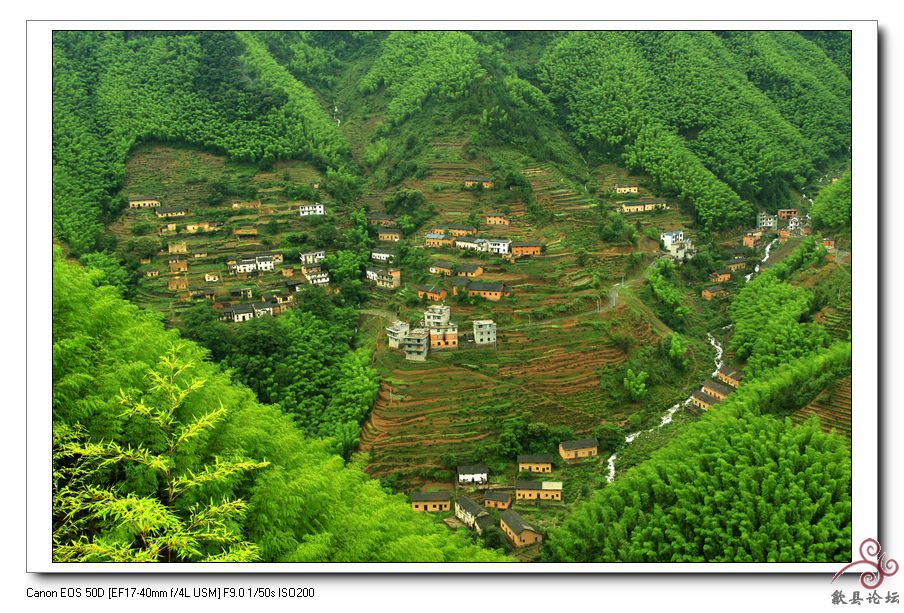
{"points": [[667, 417], [766, 257]]}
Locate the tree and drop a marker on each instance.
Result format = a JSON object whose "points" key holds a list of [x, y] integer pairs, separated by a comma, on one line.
{"points": [[678, 351], [610, 437], [177, 520], [635, 384]]}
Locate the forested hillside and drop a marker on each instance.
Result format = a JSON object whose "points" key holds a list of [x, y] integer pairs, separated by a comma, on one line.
{"points": [[722, 121], [740, 485], [214, 89], [159, 457]]}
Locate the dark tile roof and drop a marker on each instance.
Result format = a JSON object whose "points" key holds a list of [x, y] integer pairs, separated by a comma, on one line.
{"points": [[470, 506], [718, 386], [459, 226], [430, 496], [527, 484], [133, 198], [526, 244], [379, 216], [733, 373], [701, 395], [715, 288], [537, 457], [516, 522], [497, 496], [242, 308], [468, 267], [461, 282], [472, 469], [485, 521], [443, 264], [484, 286], [581, 443]]}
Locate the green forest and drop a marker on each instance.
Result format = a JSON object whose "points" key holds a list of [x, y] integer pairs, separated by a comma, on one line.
{"points": [[179, 436]]}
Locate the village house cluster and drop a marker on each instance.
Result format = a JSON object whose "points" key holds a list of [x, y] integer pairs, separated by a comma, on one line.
{"points": [[786, 223], [504, 247], [716, 390], [647, 205], [677, 245], [436, 332], [477, 517]]}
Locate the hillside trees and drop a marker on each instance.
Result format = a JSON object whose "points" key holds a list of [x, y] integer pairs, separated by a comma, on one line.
{"points": [[417, 66], [219, 90], [736, 486], [708, 118], [768, 316], [662, 278], [832, 207], [306, 505]]}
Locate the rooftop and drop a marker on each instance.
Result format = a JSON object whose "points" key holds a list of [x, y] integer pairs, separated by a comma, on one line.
{"points": [[581, 443], [497, 496], [701, 395], [470, 506], [516, 522], [718, 386], [537, 457], [485, 286], [430, 496], [473, 469]]}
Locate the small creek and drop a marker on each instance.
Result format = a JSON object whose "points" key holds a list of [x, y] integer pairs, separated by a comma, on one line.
{"points": [[667, 417]]}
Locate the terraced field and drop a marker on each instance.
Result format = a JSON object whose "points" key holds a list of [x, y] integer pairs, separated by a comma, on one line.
{"points": [[456, 401], [832, 406]]}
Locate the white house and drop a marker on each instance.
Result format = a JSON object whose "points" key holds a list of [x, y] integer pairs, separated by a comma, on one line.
{"points": [[242, 312], [469, 243], [318, 278], [262, 308], [395, 332], [312, 258], [382, 255], [477, 473], [794, 223], [311, 209], [264, 263], [681, 250], [498, 245], [246, 265], [765, 220], [437, 316], [372, 274], [668, 238], [484, 332], [211, 277], [472, 514]]}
